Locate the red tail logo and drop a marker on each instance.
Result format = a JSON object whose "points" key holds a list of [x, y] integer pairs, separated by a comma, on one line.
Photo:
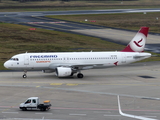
{"points": [[137, 43]]}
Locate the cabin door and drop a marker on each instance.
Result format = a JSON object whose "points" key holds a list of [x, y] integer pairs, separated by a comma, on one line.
{"points": [[26, 60], [123, 58]]}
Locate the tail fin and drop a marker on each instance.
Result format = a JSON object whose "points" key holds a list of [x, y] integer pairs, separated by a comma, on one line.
{"points": [[137, 44]]}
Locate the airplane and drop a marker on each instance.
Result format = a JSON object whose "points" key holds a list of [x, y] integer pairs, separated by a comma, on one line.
{"points": [[129, 115], [66, 64]]}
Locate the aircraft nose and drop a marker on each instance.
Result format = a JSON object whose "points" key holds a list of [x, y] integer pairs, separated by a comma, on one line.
{"points": [[6, 64]]}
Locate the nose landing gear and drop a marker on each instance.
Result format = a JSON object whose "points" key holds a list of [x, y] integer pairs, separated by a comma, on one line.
{"points": [[25, 74]]}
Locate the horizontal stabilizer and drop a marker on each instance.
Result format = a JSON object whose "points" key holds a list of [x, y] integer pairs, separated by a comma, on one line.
{"points": [[142, 55]]}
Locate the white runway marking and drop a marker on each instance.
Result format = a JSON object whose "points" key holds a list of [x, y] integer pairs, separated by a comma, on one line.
{"points": [[11, 112], [104, 93], [44, 113], [150, 116], [112, 115], [78, 114], [31, 119]]}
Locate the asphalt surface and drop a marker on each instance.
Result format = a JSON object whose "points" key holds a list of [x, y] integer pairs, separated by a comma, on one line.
{"points": [[91, 98]]}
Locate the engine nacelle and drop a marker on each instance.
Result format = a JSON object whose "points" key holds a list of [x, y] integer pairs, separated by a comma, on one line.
{"points": [[48, 71], [63, 71]]}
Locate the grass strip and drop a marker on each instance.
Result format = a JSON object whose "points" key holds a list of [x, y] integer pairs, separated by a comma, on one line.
{"points": [[15, 39]]}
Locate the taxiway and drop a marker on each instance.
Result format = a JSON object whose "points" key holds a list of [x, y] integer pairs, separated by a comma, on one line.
{"points": [[93, 97]]}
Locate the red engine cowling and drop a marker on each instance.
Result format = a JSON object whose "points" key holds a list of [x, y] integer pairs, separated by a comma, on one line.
{"points": [[63, 71]]}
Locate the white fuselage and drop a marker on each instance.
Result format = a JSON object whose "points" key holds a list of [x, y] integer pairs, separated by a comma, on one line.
{"points": [[68, 63], [85, 60]]}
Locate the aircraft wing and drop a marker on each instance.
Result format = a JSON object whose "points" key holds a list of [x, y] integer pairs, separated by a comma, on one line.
{"points": [[82, 66]]}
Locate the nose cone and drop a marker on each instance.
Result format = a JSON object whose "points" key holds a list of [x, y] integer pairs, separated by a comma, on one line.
{"points": [[6, 64]]}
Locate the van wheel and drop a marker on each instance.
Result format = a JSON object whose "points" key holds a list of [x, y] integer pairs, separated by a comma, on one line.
{"points": [[24, 109]]}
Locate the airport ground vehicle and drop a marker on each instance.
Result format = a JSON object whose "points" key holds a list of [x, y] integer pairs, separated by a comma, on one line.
{"points": [[33, 103]]}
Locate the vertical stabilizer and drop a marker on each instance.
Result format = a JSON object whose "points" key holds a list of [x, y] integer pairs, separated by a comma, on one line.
{"points": [[137, 44]]}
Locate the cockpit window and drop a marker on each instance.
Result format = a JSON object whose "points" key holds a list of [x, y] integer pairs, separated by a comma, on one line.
{"points": [[14, 59]]}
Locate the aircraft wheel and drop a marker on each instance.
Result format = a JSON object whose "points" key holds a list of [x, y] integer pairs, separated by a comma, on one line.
{"points": [[80, 75], [24, 76]]}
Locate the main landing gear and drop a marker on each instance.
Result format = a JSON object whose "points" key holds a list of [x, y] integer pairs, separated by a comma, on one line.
{"points": [[78, 71], [79, 75], [25, 74]]}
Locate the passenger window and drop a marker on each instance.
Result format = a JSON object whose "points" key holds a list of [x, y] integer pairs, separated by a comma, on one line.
{"points": [[33, 101]]}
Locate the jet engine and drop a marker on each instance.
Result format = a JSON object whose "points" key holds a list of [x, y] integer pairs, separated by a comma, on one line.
{"points": [[48, 71], [63, 71]]}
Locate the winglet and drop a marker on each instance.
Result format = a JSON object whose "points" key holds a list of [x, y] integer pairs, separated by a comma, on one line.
{"points": [[137, 44]]}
